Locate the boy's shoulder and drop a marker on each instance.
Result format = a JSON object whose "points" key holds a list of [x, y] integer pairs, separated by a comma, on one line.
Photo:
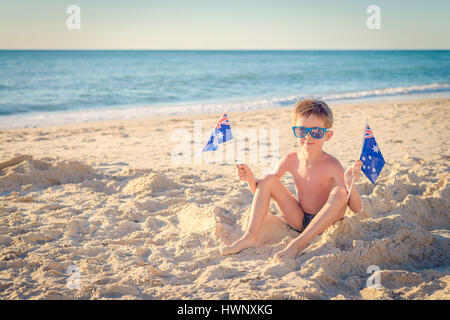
{"points": [[292, 155], [332, 162]]}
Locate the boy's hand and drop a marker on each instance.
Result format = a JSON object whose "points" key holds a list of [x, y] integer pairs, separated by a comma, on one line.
{"points": [[244, 172], [353, 171]]}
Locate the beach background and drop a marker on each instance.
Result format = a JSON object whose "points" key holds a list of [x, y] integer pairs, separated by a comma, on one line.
{"points": [[105, 195]]}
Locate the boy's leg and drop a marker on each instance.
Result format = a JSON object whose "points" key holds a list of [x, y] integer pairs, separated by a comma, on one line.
{"points": [[267, 188], [333, 210]]}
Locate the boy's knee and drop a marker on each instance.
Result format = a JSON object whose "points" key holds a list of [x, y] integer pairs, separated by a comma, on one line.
{"points": [[339, 193], [267, 180]]}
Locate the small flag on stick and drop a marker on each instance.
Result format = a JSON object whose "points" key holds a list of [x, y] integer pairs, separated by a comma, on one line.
{"points": [[220, 134], [371, 156]]}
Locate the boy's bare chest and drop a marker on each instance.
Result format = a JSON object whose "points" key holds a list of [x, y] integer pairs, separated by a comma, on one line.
{"points": [[313, 188], [314, 182]]}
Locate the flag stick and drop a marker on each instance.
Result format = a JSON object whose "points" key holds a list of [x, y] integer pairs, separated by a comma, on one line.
{"points": [[362, 146]]}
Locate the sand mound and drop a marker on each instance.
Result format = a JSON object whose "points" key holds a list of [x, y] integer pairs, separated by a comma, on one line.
{"points": [[194, 219], [148, 184], [39, 173], [151, 234], [399, 229]]}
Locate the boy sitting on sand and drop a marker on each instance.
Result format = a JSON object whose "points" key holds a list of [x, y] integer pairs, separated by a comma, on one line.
{"points": [[319, 178]]}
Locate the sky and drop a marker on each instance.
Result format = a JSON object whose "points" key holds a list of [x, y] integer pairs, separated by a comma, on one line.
{"points": [[225, 25]]}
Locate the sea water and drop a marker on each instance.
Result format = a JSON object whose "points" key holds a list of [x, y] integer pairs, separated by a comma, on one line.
{"points": [[55, 87]]}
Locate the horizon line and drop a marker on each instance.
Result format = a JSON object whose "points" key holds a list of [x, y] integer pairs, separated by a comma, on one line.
{"points": [[194, 49]]}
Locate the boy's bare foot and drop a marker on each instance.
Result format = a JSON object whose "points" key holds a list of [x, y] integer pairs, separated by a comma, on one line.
{"points": [[290, 252], [239, 245]]}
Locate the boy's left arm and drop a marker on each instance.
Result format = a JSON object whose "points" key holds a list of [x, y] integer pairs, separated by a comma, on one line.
{"points": [[353, 172]]}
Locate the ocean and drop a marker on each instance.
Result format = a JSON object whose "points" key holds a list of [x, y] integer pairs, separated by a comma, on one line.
{"points": [[39, 88]]}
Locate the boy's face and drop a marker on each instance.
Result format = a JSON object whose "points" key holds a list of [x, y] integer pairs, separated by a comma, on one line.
{"points": [[309, 143]]}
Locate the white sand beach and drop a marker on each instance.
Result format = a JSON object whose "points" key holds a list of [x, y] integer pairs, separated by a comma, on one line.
{"points": [[107, 198]]}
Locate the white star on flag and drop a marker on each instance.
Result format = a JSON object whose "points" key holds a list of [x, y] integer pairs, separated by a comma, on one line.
{"points": [[371, 156], [220, 135], [375, 148]]}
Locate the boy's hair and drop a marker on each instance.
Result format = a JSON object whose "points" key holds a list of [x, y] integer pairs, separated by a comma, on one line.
{"points": [[307, 107]]}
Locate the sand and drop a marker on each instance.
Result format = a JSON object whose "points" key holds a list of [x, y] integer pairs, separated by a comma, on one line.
{"points": [[108, 200]]}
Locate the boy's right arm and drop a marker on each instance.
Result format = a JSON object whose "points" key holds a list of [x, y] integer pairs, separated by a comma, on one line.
{"points": [[283, 165], [246, 174]]}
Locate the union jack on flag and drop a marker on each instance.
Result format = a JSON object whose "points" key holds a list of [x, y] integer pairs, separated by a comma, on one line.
{"points": [[224, 120], [220, 134], [368, 133], [371, 156]]}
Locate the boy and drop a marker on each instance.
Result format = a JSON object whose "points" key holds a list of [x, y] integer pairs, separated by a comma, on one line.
{"points": [[319, 178]]}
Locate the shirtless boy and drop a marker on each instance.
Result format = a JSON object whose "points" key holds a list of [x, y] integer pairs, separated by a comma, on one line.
{"points": [[319, 178]]}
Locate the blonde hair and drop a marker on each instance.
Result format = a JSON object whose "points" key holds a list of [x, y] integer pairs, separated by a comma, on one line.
{"points": [[307, 107]]}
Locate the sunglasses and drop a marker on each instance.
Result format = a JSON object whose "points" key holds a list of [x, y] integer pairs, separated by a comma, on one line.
{"points": [[316, 132]]}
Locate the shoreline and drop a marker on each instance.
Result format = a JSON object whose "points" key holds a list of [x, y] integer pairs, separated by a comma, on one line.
{"points": [[98, 115]]}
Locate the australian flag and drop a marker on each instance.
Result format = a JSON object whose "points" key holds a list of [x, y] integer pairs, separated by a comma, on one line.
{"points": [[371, 156], [220, 134]]}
